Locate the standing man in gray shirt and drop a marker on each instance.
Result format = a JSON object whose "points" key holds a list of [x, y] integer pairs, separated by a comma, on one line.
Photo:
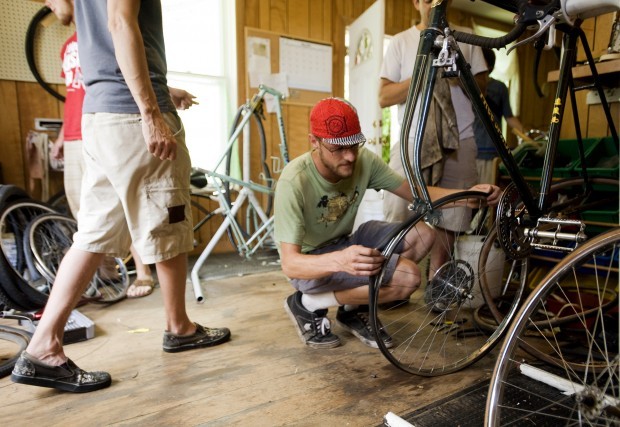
{"points": [[135, 188]]}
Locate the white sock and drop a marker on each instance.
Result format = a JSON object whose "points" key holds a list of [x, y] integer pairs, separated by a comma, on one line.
{"points": [[350, 307], [314, 302]]}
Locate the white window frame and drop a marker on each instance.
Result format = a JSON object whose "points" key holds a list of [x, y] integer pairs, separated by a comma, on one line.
{"points": [[207, 124]]}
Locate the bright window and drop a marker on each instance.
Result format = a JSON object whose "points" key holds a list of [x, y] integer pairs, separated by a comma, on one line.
{"points": [[200, 51]]}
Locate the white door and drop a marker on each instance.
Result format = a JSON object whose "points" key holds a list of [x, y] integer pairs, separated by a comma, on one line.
{"points": [[365, 57]]}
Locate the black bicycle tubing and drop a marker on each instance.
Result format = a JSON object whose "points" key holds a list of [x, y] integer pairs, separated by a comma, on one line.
{"points": [[266, 170], [10, 193], [30, 36], [8, 298]]}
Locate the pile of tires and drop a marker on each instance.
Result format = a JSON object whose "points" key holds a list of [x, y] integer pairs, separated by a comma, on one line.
{"points": [[34, 238]]}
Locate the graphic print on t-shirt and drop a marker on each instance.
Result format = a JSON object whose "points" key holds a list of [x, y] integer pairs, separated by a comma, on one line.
{"points": [[335, 207], [71, 67]]}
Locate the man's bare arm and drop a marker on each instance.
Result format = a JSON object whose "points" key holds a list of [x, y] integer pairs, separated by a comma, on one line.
{"points": [[131, 58], [391, 93]]}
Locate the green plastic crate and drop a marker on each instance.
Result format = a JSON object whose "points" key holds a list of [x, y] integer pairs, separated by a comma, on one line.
{"points": [[601, 159], [567, 158]]}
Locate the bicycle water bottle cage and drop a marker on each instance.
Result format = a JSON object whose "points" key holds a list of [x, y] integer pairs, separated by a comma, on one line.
{"points": [[447, 57]]}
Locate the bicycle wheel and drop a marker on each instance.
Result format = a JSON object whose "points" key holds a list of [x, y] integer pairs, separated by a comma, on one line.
{"points": [[247, 226], [12, 342], [50, 236], [18, 282], [434, 332], [569, 199], [558, 393], [60, 203], [110, 283]]}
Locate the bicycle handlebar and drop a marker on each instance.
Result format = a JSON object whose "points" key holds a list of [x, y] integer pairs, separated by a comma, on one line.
{"points": [[527, 15]]}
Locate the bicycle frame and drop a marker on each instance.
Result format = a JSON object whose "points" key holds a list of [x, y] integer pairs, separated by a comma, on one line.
{"points": [[221, 183], [251, 106], [438, 49]]}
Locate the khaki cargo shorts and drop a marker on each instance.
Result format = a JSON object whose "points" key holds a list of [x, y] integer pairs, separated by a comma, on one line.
{"points": [[130, 196]]}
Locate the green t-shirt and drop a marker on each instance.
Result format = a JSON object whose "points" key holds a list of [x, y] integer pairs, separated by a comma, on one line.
{"points": [[311, 212]]}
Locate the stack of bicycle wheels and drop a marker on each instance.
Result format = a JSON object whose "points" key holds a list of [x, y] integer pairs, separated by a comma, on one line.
{"points": [[34, 239]]}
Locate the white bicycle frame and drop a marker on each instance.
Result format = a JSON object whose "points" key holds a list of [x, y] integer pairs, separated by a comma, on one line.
{"points": [[247, 192]]}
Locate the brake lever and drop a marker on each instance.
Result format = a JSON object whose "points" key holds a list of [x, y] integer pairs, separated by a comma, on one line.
{"points": [[543, 25]]}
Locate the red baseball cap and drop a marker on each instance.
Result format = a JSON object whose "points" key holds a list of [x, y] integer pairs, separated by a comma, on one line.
{"points": [[335, 121]]}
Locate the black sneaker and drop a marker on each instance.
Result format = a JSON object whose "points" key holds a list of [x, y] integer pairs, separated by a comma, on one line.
{"points": [[67, 377], [313, 327], [358, 323], [203, 337]]}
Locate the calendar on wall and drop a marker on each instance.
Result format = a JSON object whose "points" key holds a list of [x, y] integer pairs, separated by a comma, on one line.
{"points": [[297, 66], [307, 65]]}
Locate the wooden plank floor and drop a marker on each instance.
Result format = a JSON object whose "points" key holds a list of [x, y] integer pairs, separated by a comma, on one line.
{"points": [[263, 377]]}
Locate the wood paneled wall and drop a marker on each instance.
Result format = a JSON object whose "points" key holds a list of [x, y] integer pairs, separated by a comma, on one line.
{"points": [[21, 103], [321, 20]]}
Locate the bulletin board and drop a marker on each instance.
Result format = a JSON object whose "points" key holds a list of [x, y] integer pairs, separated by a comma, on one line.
{"points": [[305, 64]]}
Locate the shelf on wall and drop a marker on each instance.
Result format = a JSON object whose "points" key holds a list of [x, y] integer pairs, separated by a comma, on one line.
{"points": [[583, 71]]}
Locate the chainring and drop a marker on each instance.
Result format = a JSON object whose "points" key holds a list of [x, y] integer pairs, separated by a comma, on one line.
{"points": [[511, 214]]}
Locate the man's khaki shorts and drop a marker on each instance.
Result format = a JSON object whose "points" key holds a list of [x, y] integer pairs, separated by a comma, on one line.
{"points": [[130, 196]]}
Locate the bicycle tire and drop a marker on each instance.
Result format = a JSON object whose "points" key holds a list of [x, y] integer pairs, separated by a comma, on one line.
{"points": [[31, 34], [434, 332], [20, 339], [110, 282], [50, 236], [60, 203], [204, 213], [18, 282], [11, 193], [592, 270], [247, 227]]}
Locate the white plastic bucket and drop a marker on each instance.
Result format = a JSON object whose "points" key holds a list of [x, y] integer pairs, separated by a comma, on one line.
{"points": [[468, 248]]}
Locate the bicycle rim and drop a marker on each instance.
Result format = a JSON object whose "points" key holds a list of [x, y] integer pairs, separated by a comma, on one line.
{"points": [[524, 389], [110, 282], [49, 238], [14, 341], [20, 282], [434, 332]]}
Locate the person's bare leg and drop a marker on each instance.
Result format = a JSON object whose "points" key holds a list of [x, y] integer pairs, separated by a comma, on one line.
{"points": [[74, 273], [172, 275], [143, 285], [441, 251], [418, 242]]}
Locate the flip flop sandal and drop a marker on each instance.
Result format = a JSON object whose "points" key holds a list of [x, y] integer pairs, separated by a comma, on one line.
{"points": [[141, 282]]}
